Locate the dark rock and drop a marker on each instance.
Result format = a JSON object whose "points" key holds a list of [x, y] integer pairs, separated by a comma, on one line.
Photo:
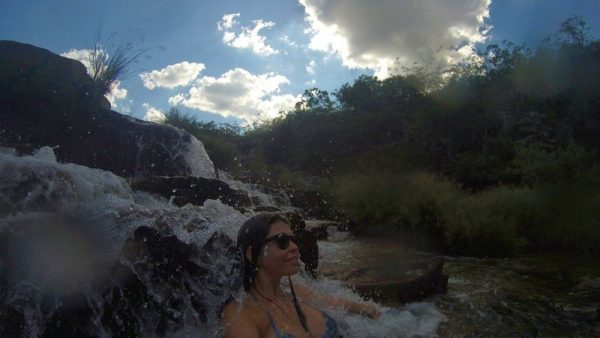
{"points": [[194, 190], [12, 322], [266, 208], [224, 262], [154, 294], [49, 100], [126, 301], [309, 250], [159, 285], [319, 228], [432, 281], [220, 244], [72, 318], [297, 222]]}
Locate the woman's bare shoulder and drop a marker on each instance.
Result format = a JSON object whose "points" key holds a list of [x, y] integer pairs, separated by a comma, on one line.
{"points": [[239, 319]]}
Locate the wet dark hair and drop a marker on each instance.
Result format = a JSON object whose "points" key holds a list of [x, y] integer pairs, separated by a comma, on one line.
{"points": [[252, 234]]}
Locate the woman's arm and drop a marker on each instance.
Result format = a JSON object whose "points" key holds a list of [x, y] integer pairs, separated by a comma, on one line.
{"points": [[366, 309], [238, 323]]}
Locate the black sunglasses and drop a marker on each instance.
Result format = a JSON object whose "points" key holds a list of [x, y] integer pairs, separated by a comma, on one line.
{"points": [[283, 240]]}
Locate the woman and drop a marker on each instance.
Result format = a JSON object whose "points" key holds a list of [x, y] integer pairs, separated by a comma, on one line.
{"points": [[269, 251]]}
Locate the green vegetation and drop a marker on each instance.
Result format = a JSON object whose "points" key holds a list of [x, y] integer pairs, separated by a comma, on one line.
{"points": [[495, 156], [113, 60]]}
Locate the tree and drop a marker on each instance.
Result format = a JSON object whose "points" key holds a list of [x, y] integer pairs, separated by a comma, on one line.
{"points": [[315, 100]]}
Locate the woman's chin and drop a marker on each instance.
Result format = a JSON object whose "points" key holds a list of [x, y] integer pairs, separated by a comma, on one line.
{"points": [[293, 270]]}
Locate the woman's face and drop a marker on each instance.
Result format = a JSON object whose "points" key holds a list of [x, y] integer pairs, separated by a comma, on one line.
{"points": [[276, 261]]}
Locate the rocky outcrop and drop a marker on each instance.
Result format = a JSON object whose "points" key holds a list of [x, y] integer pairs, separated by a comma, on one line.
{"points": [[159, 285], [195, 190], [49, 100], [319, 227]]}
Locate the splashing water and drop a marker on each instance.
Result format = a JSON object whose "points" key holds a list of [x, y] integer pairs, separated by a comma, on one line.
{"points": [[83, 254]]}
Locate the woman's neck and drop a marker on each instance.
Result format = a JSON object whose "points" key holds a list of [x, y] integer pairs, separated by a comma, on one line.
{"points": [[268, 286]]}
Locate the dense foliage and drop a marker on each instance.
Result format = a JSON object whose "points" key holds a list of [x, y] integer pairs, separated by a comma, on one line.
{"points": [[493, 156]]}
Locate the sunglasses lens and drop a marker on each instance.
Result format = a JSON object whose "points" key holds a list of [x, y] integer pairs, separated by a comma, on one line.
{"points": [[283, 241]]}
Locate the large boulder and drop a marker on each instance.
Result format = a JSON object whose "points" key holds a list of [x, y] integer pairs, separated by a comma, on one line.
{"points": [[384, 270], [49, 100], [428, 280], [195, 190]]}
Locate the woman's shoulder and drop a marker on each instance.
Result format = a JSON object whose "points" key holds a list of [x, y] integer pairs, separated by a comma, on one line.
{"points": [[239, 308], [242, 317]]}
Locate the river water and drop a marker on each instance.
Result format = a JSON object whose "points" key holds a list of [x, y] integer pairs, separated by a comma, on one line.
{"points": [[533, 296], [43, 259]]}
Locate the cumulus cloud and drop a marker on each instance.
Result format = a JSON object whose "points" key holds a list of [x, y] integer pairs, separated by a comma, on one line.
{"points": [[153, 114], [179, 74], [81, 55], [374, 35], [239, 93], [116, 93], [310, 67], [246, 37], [286, 39]]}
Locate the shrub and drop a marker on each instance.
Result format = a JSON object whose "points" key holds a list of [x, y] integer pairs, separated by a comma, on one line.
{"points": [[571, 216], [415, 203], [493, 222]]}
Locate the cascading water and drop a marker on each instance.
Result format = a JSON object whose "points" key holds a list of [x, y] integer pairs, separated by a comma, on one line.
{"points": [[83, 255], [257, 196]]}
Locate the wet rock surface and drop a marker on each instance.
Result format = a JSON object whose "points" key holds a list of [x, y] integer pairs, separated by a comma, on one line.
{"points": [[49, 100], [195, 190], [159, 285], [383, 270]]}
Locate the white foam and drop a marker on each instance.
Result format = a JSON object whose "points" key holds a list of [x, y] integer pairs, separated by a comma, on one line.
{"points": [[55, 185], [196, 157], [115, 212]]}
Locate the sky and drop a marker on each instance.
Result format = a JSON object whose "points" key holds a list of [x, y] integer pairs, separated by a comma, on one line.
{"points": [[239, 61]]}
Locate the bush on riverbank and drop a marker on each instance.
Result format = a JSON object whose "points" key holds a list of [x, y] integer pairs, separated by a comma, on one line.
{"points": [[491, 223], [497, 222], [412, 202]]}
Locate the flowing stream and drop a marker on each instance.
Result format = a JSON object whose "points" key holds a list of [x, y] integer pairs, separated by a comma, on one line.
{"points": [[54, 281], [534, 296]]}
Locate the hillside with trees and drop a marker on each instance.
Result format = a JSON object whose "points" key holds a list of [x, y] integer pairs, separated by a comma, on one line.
{"points": [[493, 157]]}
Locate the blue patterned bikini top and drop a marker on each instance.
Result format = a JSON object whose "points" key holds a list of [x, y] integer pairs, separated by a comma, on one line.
{"points": [[331, 331], [330, 324]]}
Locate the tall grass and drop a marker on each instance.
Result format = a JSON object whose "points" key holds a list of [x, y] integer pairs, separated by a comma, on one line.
{"points": [[112, 60], [501, 221], [413, 203], [491, 223]]}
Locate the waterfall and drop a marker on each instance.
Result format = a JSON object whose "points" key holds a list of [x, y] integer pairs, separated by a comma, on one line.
{"points": [[81, 254]]}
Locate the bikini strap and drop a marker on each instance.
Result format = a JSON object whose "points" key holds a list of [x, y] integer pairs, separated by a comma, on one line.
{"points": [[275, 329]]}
